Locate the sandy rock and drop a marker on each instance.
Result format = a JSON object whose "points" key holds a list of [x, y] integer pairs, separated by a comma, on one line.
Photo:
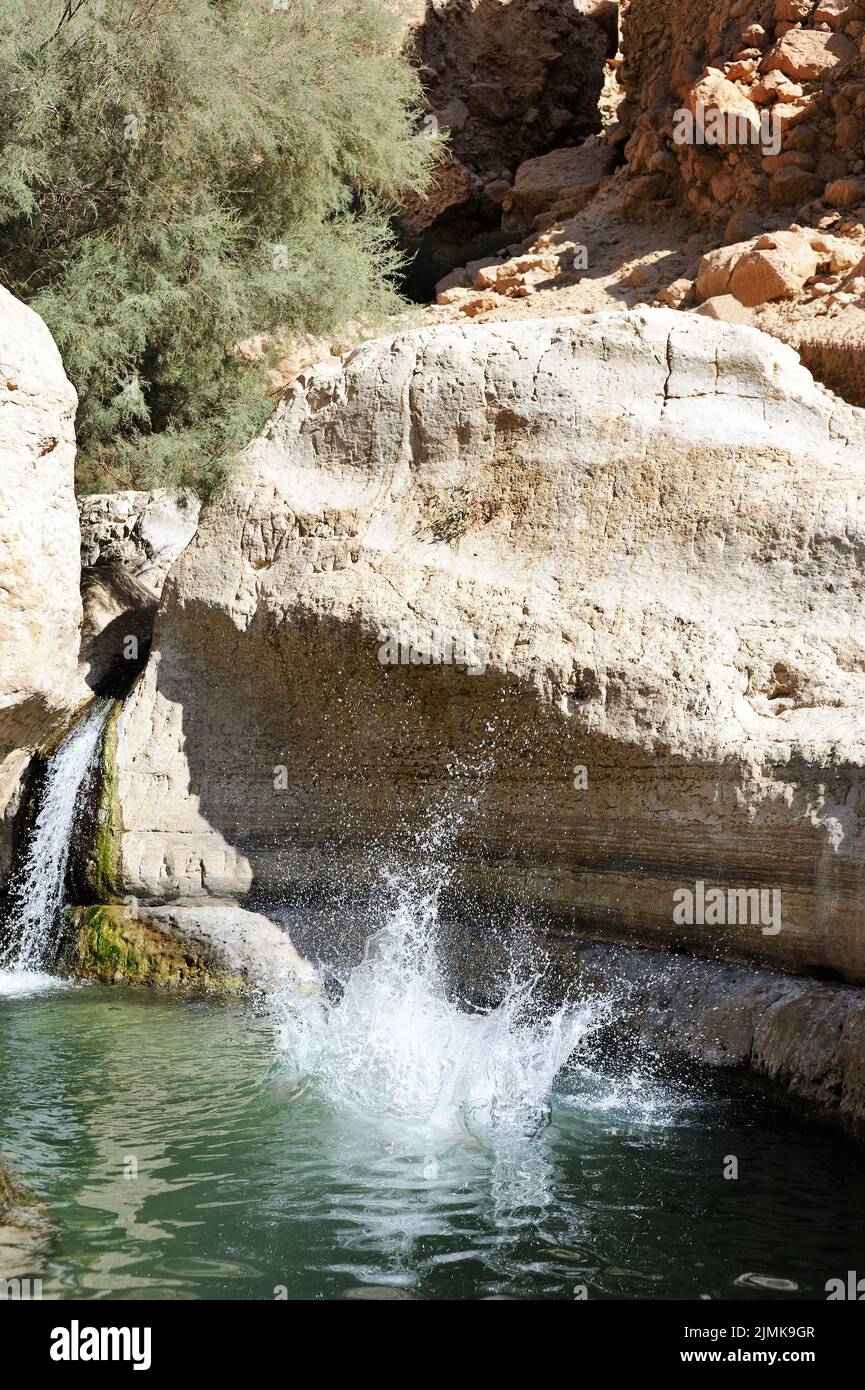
{"points": [[217, 945], [792, 11], [764, 275], [679, 294], [792, 187], [40, 605], [643, 526], [773, 266], [838, 13], [805, 1036], [802, 85], [715, 93], [119, 613], [807, 54], [453, 186], [726, 308], [845, 193], [487, 99], [774, 86], [478, 304], [145, 532], [571, 174], [452, 117], [833, 349]]}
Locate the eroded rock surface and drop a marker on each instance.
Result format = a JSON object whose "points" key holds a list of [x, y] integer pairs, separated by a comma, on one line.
{"points": [[40, 605], [145, 532], [645, 530]]}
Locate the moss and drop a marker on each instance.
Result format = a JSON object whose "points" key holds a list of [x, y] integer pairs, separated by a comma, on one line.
{"points": [[108, 944], [7, 1190], [103, 944], [105, 856]]}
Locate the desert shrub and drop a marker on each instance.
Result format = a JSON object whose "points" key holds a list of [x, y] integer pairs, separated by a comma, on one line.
{"points": [[178, 175]]}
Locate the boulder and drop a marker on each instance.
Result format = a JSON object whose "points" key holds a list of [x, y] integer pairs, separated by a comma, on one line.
{"points": [[807, 54], [217, 946], [792, 11], [838, 13], [40, 604], [453, 187], [582, 593], [794, 186], [714, 93], [570, 175], [775, 265], [845, 193], [725, 308]]}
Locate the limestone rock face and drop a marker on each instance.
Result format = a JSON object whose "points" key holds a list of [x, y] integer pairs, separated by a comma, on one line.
{"points": [[804, 1036], [586, 593], [129, 541], [40, 605], [142, 531]]}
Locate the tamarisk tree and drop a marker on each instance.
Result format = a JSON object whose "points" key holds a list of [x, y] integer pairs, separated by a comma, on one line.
{"points": [[177, 175]]}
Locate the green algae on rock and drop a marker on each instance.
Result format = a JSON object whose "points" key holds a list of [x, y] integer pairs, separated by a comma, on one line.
{"points": [[207, 946]]}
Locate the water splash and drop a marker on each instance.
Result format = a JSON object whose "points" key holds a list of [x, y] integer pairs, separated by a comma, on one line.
{"points": [[37, 892], [396, 1047]]}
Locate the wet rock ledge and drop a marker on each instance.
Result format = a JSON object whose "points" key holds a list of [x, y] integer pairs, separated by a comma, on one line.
{"points": [[804, 1036]]}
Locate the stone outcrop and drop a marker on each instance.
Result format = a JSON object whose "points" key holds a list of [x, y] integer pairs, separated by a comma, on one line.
{"points": [[560, 183], [116, 629], [503, 83], [507, 82], [222, 947], [806, 1038], [592, 583], [40, 604], [795, 66], [129, 541], [145, 532]]}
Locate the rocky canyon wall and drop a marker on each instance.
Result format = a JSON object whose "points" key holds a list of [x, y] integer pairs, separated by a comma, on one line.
{"points": [[798, 63], [593, 583]]}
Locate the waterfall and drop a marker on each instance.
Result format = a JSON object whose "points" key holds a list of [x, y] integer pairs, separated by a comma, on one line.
{"points": [[37, 890]]}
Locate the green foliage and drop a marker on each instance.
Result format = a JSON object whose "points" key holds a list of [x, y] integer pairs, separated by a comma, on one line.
{"points": [[178, 175]]}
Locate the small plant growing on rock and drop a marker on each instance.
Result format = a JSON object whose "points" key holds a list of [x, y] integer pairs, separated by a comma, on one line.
{"points": [[456, 511]]}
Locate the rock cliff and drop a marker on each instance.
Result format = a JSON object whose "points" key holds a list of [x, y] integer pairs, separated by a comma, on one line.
{"points": [[594, 583], [40, 604]]}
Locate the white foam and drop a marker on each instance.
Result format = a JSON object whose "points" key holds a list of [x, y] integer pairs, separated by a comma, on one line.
{"points": [[397, 1048], [18, 983]]}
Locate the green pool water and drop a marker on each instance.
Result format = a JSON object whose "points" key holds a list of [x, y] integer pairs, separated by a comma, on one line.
{"points": [[181, 1159]]}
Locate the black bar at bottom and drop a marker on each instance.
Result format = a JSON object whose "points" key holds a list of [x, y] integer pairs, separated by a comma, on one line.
{"points": [[74, 1338]]}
